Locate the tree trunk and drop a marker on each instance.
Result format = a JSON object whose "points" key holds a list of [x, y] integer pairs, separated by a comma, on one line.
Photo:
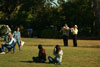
{"points": [[95, 27], [97, 14]]}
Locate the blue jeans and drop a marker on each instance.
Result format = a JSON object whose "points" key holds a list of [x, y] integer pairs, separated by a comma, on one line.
{"points": [[53, 60], [3, 47], [8, 46], [19, 43]]}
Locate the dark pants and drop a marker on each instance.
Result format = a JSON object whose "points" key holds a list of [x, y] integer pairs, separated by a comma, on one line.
{"points": [[75, 40], [65, 40], [8, 46], [3, 46], [37, 59]]}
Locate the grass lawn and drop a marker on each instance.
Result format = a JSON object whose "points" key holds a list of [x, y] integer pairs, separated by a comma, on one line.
{"points": [[87, 54]]}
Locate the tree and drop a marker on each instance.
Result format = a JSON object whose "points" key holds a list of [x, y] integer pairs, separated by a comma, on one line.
{"points": [[96, 24]]}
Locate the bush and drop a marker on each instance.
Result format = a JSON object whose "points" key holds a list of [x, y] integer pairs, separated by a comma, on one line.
{"points": [[50, 33], [2, 31]]}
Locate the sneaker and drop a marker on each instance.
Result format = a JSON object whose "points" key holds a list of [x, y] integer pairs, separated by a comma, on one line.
{"points": [[59, 63], [2, 53]]}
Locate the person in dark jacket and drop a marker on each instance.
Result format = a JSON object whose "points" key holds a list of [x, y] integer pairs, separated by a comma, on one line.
{"points": [[65, 33], [41, 55]]}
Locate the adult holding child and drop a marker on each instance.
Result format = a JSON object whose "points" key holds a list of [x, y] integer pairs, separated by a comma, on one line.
{"points": [[65, 33], [75, 32]]}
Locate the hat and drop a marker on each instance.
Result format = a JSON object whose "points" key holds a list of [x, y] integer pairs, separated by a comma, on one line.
{"points": [[76, 26]]}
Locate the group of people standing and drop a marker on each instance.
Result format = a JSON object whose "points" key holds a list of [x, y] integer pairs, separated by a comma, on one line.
{"points": [[11, 38], [65, 31]]}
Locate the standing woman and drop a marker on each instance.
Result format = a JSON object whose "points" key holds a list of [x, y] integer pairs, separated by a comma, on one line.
{"points": [[75, 32], [17, 36], [65, 33]]}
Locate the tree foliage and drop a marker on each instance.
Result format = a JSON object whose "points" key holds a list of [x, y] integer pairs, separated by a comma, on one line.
{"points": [[33, 14]]}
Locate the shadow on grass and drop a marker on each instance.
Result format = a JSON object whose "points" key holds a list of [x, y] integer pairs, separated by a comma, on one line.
{"points": [[33, 62], [46, 45], [27, 61], [90, 46]]}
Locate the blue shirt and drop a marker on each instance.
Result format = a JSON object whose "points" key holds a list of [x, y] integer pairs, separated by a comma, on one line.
{"points": [[16, 34]]}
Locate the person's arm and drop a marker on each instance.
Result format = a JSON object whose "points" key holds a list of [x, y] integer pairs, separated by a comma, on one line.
{"points": [[20, 37], [14, 33], [9, 43], [61, 29], [54, 51], [72, 29]]}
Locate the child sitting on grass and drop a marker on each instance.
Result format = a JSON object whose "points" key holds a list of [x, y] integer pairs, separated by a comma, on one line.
{"points": [[58, 55], [41, 55]]}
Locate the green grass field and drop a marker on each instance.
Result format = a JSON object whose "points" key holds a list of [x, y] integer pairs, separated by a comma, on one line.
{"points": [[87, 54]]}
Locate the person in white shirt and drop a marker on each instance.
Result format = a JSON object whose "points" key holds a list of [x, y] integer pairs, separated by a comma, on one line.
{"points": [[58, 53], [8, 44], [8, 31], [75, 32]]}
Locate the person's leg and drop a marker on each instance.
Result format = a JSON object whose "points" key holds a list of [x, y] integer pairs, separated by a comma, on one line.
{"points": [[19, 44], [65, 39], [42, 60], [35, 59], [57, 60], [51, 60], [3, 47], [75, 40]]}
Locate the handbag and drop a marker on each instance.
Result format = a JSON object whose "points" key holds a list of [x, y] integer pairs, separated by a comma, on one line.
{"points": [[22, 43]]}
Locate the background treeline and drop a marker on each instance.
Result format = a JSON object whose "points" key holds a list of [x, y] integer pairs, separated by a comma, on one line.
{"points": [[47, 21]]}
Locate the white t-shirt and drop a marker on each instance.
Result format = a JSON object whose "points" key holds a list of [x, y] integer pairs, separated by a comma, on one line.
{"points": [[59, 55], [75, 31]]}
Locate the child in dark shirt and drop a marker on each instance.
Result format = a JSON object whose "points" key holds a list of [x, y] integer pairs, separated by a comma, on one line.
{"points": [[41, 55]]}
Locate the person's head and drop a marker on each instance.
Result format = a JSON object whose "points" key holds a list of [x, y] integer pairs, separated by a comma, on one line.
{"points": [[7, 26], [18, 29], [40, 46], [75, 26], [10, 35], [57, 49], [66, 25]]}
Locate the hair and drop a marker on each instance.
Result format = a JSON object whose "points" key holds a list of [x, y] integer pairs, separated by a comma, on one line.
{"points": [[57, 49], [40, 46], [75, 26]]}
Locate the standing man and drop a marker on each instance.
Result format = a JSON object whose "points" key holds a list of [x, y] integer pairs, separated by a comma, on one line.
{"points": [[75, 32], [65, 33], [17, 36]]}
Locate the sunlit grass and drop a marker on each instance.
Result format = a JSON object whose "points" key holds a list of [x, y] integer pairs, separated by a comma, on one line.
{"points": [[87, 54]]}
